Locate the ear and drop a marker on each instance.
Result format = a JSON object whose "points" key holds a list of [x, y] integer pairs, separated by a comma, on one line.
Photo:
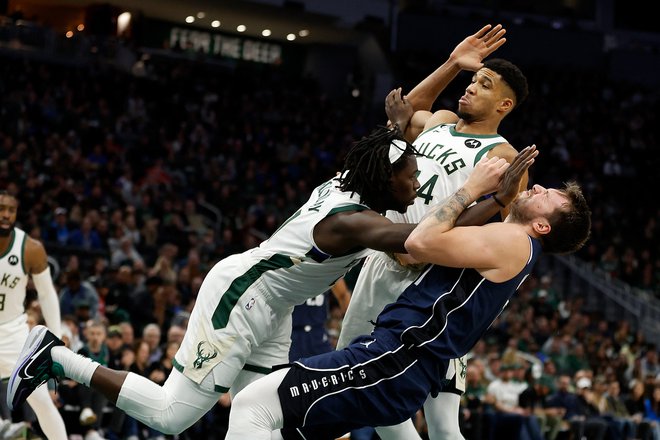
{"points": [[541, 226], [506, 105]]}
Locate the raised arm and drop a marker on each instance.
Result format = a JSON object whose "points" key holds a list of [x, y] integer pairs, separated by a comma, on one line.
{"points": [[467, 55]]}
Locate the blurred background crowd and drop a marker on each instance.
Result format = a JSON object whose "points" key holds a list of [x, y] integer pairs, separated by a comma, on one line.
{"points": [[138, 184]]}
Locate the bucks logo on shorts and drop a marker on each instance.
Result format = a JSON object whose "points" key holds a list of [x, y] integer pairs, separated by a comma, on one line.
{"points": [[202, 356]]}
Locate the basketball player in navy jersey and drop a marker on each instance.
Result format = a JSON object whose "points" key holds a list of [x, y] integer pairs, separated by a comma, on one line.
{"points": [[451, 144], [22, 257], [384, 378]]}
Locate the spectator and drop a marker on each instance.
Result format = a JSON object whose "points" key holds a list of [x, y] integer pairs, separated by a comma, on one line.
{"points": [[77, 296]]}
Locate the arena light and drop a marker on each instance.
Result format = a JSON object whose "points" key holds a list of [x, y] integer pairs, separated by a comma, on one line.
{"points": [[81, 27], [266, 32], [190, 19], [241, 28], [291, 37], [123, 21], [304, 33], [69, 34], [201, 14], [215, 23]]}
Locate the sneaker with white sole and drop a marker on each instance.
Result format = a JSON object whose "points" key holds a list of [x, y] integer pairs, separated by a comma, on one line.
{"points": [[34, 366]]}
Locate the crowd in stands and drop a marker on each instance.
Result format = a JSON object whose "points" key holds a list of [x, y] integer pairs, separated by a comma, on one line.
{"points": [[137, 185]]}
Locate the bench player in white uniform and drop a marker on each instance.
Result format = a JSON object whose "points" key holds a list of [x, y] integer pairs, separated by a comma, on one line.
{"points": [[451, 145], [20, 258]]}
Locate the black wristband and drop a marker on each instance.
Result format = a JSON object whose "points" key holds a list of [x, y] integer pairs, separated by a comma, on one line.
{"points": [[498, 201]]}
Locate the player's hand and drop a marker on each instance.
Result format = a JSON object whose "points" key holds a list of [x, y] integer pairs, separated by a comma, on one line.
{"points": [[470, 52], [398, 109], [510, 184], [486, 176]]}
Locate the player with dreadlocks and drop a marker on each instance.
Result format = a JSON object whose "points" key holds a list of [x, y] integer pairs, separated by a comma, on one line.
{"points": [[240, 325], [375, 158]]}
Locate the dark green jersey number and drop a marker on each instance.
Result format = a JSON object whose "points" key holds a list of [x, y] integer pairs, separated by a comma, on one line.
{"points": [[426, 191], [2, 301]]}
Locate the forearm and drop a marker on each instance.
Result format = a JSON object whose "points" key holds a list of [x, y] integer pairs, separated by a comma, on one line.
{"points": [[424, 94], [48, 300], [479, 214], [443, 217]]}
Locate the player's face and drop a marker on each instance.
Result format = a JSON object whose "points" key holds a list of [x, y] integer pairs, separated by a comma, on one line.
{"points": [[481, 96], [8, 209], [537, 202], [405, 186]]}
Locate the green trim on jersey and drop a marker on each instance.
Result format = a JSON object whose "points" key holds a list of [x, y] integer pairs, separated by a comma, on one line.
{"points": [[23, 253], [432, 128], [219, 389], [177, 365], [242, 283], [257, 369], [453, 132], [353, 207], [11, 243], [483, 151]]}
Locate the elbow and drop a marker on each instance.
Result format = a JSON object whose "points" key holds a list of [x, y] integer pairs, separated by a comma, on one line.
{"points": [[414, 246]]}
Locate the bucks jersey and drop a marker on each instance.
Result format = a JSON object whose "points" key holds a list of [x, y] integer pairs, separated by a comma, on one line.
{"points": [[13, 278], [449, 157], [300, 270]]}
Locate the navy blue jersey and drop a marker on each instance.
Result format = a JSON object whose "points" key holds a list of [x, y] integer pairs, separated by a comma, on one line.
{"points": [[384, 378], [309, 335], [446, 310]]}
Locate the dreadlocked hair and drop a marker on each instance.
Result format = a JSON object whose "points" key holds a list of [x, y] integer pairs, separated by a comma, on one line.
{"points": [[367, 168]]}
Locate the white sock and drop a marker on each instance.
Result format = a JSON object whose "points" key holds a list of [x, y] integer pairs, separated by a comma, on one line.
{"points": [[75, 366]]}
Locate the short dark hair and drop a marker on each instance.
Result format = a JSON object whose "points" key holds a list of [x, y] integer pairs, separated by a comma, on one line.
{"points": [[569, 228], [367, 168], [512, 75]]}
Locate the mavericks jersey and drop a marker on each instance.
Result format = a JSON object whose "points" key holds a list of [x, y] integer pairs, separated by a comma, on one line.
{"points": [[13, 278], [446, 310], [293, 268], [449, 157]]}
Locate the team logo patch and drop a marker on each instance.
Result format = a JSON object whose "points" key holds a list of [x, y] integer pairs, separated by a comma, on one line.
{"points": [[202, 356], [13, 260], [249, 304], [463, 371], [472, 143]]}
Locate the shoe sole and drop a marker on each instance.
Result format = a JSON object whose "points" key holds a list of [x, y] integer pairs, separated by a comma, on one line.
{"points": [[34, 339]]}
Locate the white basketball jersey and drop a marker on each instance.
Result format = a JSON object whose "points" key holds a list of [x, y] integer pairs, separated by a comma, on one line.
{"points": [[448, 159], [290, 264], [13, 278]]}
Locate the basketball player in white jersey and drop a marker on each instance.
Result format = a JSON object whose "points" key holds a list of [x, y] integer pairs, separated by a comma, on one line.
{"points": [[451, 145], [22, 257], [240, 326]]}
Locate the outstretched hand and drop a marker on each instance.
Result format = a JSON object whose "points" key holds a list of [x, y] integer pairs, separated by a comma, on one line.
{"points": [[470, 52], [486, 176], [398, 109], [510, 185]]}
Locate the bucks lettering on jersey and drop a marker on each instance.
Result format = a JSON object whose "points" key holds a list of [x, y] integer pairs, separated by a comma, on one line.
{"points": [[298, 269], [13, 278], [448, 159]]}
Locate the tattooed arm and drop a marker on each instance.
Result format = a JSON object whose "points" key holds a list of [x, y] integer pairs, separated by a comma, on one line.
{"points": [[498, 250]]}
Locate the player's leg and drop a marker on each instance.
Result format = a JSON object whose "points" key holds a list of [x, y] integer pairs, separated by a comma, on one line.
{"points": [[402, 431], [441, 415], [50, 419], [441, 412], [256, 411]]}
